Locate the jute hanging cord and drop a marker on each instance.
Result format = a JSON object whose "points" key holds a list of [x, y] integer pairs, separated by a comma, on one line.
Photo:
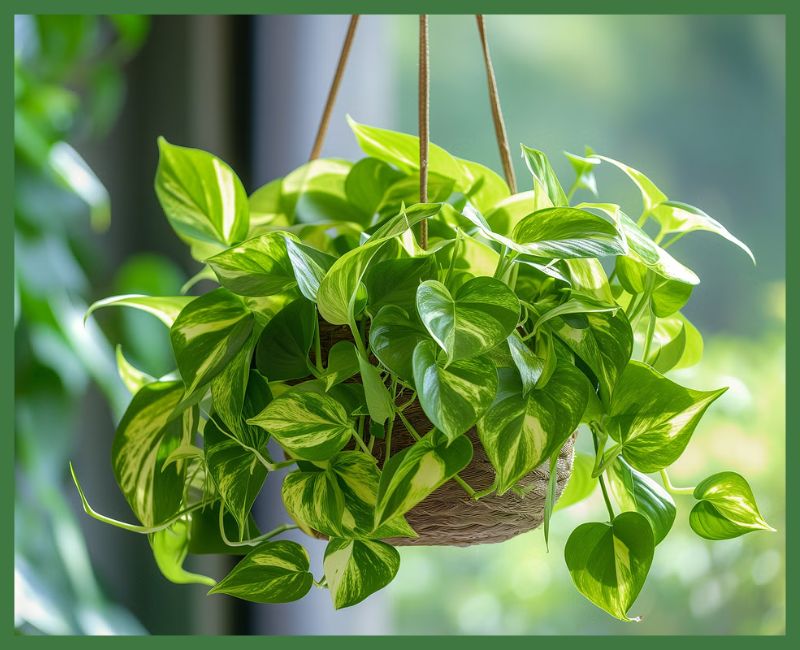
{"points": [[497, 113], [424, 122], [322, 130]]}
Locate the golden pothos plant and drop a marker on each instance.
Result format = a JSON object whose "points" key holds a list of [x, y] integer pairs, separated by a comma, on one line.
{"points": [[506, 322]]}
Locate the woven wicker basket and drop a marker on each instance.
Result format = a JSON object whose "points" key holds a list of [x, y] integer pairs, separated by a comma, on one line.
{"points": [[449, 517]]}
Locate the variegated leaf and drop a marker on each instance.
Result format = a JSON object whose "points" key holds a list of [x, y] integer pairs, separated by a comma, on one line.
{"points": [[148, 432], [455, 396], [131, 376], [273, 572], [415, 472], [544, 178], [202, 197], [207, 335], [165, 309], [480, 314], [653, 418], [520, 433], [355, 569], [257, 267], [228, 388], [726, 508], [602, 340], [610, 562], [310, 266], [567, 233], [237, 472], [315, 501], [308, 425]]}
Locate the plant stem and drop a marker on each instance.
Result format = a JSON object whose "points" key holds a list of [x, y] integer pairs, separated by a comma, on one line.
{"points": [[317, 348], [499, 270], [361, 443], [605, 497], [669, 487], [648, 339]]}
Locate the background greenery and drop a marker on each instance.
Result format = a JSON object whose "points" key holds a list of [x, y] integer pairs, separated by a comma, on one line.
{"points": [[696, 102]]}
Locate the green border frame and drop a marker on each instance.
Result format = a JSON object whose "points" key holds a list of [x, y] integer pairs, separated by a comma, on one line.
{"points": [[789, 8]]}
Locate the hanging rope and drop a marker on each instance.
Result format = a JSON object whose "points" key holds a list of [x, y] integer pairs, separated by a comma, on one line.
{"points": [[497, 114], [337, 78], [424, 123]]}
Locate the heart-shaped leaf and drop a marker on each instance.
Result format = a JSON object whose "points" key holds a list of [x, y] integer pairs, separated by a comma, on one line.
{"points": [[455, 396], [519, 433], [393, 336], [310, 266], [355, 569], [237, 472], [395, 282], [478, 316], [257, 267], [415, 472], [202, 197], [602, 340], [342, 364], [308, 425], [229, 387], [207, 335], [653, 418], [636, 491], [282, 351], [367, 183], [727, 508], [273, 572], [609, 562], [676, 344], [149, 430], [567, 233], [315, 501]]}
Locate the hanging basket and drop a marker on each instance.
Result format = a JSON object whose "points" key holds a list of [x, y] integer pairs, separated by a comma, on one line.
{"points": [[448, 516]]}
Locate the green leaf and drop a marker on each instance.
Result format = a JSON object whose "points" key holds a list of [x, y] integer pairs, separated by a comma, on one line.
{"points": [[544, 178], [682, 218], [602, 340], [727, 508], [315, 501], [131, 376], [478, 316], [149, 430], [567, 233], [638, 492], [507, 213], [170, 548], [395, 282], [273, 572], [531, 366], [337, 291], [651, 195], [581, 485], [393, 336], [454, 396], [257, 267], [282, 351], [402, 151], [342, 364], [379, 401], [415, 472], [236, 471], [589, 277], [166, 309], [577, 304], [609, 562], [404, 220], [487, 189], [519, 433], [207, 335], [202, 197], [355, 569], [315, 192], [308, 425], [205, 537], [676, 344], [584, 170], [367, 183], [310, 266], [653, 418]]}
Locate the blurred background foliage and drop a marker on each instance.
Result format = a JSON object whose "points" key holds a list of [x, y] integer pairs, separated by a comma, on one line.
{"points": [[696, 102]]}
